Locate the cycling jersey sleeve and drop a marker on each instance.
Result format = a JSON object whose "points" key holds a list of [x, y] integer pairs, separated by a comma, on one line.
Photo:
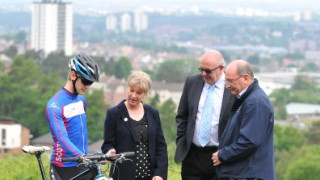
{"points": [[59, 129]]}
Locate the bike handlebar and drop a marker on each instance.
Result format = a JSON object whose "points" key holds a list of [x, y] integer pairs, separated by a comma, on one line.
{"points": [[100, 157]]}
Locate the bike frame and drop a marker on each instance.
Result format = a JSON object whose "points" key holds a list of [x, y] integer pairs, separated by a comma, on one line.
{"points": [[95, 165], [94, 161]]}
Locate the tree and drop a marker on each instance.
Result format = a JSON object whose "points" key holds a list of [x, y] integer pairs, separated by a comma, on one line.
{"points": [[123, 68], [101, 62], [20, 95], [304, 90], [2, 67], [16, 84], [5, 88], [11, 52], [37, 56], [310, 67], [226, 56], [280, 99], [287, 137], [176, 70], [280, 112], [254, 59], [313, 133], [154, 102], [306, 166], [167, 115], [48, 85], [303, 83], [150, 72], [295, 56], [18, 37], [56, 62], [110, 66], [96, 111]]}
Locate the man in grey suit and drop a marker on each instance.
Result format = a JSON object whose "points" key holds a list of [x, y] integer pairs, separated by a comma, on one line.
{"points": [[194, 152]]}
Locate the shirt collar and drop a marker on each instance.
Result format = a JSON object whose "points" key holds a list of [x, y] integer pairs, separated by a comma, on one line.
{"points": [[219, 84], [241, 93]]}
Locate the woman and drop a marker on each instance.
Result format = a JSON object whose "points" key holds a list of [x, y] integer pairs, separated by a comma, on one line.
{"points": [[135, 126]]}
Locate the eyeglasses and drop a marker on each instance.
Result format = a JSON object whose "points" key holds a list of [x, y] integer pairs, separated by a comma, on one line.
{"points": [[207, 70], [85, 81], [229, 81]]}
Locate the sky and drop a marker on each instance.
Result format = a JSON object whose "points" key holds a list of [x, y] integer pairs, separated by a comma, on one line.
{"points": [[271, 5]]}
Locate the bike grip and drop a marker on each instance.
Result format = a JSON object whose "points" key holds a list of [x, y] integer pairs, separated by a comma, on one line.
{"points": [[127, 154], [70, 159]]}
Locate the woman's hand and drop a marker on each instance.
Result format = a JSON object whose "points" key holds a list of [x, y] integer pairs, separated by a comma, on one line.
{"points": [[111, 152], [157, 178]]}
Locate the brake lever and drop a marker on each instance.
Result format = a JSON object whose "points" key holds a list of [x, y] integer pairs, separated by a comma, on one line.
{"points": [[83, 161]]}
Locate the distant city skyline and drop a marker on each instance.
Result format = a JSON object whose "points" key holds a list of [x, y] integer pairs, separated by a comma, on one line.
{"points": [[271, 5]]}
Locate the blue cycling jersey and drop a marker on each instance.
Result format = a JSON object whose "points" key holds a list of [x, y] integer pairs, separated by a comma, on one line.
{"points": [[66, 116]]}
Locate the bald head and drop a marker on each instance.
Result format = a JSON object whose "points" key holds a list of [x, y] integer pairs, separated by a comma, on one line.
{"points": [[241, 67], [213, 56], [239, 75]]}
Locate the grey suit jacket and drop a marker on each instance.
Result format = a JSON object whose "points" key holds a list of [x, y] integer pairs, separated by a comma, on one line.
{"points": [[187, 111]]}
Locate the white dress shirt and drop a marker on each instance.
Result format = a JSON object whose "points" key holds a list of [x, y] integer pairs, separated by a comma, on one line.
{"points": [[217, 96]]}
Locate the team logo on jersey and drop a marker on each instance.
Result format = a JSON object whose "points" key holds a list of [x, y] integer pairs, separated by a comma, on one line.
{"points": [[54, 105], [73, 109]]}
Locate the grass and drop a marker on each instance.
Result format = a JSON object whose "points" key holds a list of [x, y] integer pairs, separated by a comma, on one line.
{"points": [[25, 166]]}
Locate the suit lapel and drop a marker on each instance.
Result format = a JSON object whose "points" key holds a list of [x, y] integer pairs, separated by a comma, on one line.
{"points": [[225, 102], [196, 96], [150, 120], [125, 118]]}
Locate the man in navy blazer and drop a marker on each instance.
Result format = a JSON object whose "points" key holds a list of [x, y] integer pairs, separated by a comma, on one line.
{"points": [[195, 158], [246, 148]]}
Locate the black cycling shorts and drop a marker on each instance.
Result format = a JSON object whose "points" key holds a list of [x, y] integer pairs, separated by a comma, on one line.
{"points": [[65, 173]]}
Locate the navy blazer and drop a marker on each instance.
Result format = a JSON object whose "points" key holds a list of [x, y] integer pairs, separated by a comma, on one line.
{"points": [[246, 146], [187, 112], [119, 134]]}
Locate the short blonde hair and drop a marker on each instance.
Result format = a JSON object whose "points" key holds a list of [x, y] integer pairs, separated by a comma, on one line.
{"points": [[141, 80]]}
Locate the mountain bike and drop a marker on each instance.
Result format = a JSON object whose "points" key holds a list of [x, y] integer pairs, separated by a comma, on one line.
{"points": [[92, 161]]}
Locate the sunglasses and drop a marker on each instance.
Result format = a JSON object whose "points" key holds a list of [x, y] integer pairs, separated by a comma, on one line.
{"points": [[85, 81], [207, 70]]}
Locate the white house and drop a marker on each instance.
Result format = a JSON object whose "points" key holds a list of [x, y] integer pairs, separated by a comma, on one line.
{"points": [[13, 135]]}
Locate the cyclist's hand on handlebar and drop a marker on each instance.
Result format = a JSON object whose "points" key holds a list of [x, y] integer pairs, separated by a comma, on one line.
{"points": [[157, 178], [83, 160]]}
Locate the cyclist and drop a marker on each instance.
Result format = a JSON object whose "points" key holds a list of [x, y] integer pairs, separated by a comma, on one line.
{"points": [[66, 116]]}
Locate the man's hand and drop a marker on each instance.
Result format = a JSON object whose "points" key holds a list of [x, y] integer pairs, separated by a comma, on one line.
{"points": [[215, 159]]}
